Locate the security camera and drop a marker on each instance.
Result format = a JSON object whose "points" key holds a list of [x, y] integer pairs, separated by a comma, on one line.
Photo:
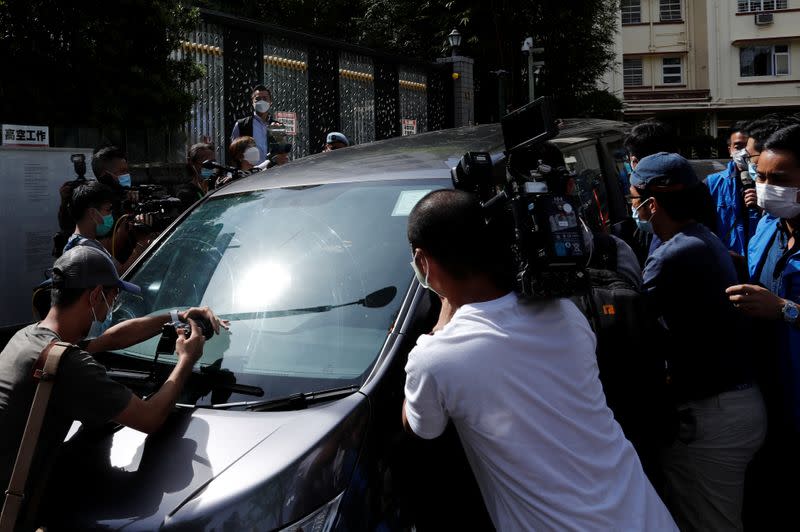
{"points": [[527, 44]]}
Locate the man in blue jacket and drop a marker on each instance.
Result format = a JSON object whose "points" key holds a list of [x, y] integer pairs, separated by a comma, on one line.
{"points": [[773, 297], [737, 211], [774, 261]]}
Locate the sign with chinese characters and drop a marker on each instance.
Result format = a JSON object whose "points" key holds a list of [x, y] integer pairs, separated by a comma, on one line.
{"points": [[14, 135], [409, 126], [289, 120]]}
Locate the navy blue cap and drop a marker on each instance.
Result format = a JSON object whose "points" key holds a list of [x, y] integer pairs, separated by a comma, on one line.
{"points": [[664, 170], [87, 267]]}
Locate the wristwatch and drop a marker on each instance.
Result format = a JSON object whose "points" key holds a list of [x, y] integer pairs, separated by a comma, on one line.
{"points": [[790, 312]]}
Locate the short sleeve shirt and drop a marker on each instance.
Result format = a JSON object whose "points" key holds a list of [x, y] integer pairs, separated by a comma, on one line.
{"points": [[83, 392], [707, 341], [520, 383]]}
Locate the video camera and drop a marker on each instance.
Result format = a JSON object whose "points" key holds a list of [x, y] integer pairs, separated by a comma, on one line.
{"points": [[541, 227], [276, 148], [154, 208]]}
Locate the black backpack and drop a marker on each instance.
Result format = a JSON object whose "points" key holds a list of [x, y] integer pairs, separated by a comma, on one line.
{"points": [[634, 376]]}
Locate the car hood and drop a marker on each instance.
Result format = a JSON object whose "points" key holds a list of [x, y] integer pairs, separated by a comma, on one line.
{"points": [[126, 479]]}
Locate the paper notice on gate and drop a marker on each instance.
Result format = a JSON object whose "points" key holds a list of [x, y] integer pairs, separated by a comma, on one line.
{"points": [[289, 120]]}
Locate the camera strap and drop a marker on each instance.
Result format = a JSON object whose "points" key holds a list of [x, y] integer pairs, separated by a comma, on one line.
{"points": [[44, 372]]}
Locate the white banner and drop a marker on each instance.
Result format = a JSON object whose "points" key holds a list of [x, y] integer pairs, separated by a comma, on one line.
{"points": [[14, 135]]}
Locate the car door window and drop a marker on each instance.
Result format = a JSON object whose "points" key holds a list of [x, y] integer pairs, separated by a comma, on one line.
{"points": [[590, 187]]}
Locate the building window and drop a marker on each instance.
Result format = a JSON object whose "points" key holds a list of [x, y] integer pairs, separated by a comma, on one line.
{"points": [[631, 11], [672, 71], [764, 61], [781, 55], [632, 73], [670, 10], [748, 6]]}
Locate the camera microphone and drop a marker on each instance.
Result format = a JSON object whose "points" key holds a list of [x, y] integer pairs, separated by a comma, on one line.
{"points": [[214, 165]]}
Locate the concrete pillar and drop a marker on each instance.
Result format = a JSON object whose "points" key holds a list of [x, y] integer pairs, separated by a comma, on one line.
{"points": [[463, 89]]}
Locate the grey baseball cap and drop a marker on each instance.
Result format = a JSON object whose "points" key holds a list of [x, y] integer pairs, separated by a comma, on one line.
{"points": [[87, 267]]}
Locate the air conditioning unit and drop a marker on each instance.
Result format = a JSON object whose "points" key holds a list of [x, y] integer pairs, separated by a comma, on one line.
{"points": [[762, 19]]}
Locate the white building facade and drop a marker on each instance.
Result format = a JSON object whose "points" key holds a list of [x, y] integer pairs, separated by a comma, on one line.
{"points": [[703, 64]]}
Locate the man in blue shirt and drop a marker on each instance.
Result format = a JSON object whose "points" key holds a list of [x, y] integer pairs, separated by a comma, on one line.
{"points": [[772, 298], [734, 195], [257, 124], [707, 345], [774, 257]]}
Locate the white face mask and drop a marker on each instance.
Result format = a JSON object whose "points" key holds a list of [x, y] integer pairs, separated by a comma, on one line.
{"points": [[261, 106], [740, 158], [778, 201], [252, 155], [422, 280]]}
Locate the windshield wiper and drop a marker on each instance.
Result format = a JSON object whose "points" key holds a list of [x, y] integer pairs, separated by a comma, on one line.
{"points": [[295, 401], [377, 299]]}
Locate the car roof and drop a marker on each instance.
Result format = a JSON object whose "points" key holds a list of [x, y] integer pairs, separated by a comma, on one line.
{"points": [[422, 156]]}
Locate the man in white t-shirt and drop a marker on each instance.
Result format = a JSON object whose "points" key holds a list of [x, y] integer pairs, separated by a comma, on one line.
{"points": [[520, 382]]}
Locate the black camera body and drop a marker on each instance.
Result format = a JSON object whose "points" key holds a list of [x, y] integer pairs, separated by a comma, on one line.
{"points": [[170, 331], [277, 148], [542, 229], [154, 207]]}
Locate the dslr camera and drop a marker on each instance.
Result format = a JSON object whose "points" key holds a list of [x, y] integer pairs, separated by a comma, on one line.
{"points": [[171, 330], [541, 228]]}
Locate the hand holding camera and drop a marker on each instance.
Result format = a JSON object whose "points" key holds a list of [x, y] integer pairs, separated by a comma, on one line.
{"points": [[190, 338], [185, 338]]}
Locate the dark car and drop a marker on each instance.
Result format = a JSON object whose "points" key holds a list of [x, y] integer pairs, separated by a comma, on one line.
{"points": [[292, 419]]}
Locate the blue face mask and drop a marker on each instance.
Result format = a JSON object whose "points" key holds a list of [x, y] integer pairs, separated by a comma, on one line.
{"points": [[125, 180], [642, 225], [751, 169], [99, 327], [104, 228], [206, 173], [628, 169]]}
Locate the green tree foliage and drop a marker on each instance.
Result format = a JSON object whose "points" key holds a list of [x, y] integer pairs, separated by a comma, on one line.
{"points": [[95, 63]]}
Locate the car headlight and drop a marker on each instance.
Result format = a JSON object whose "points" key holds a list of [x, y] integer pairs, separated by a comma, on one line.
{"points": [[320, 520]]}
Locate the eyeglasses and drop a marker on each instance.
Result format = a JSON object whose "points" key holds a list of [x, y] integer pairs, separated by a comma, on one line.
{"points": [[629, 199]]}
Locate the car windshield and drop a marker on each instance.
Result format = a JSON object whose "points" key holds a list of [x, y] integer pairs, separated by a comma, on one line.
{"points": [[316, 251]]}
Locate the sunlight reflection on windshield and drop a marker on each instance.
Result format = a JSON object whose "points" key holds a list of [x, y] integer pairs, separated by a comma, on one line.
{"points": [[262, 285]]}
